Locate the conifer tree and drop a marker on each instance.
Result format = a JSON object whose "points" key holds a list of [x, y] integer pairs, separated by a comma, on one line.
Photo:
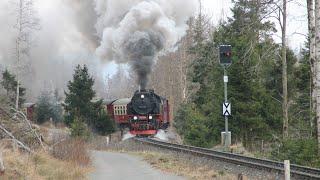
{"points": [[9, 83], [78, 99], [82, 111], [47, 107]]}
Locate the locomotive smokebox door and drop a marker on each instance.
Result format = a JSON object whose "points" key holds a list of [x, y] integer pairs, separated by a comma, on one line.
{"points": [[225, 54]]}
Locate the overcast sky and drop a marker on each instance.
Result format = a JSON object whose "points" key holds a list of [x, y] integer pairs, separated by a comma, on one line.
{"points": [[297, 19], [59, 24]]}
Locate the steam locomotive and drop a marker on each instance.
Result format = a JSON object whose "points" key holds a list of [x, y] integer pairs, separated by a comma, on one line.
{"points": [[144, 114]]}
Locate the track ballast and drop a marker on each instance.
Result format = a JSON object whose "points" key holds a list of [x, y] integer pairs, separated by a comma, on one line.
{"points": [[257, 163]]}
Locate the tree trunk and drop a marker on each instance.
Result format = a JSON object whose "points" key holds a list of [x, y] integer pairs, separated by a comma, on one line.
{"points": [[18, 51], [312, 54], [17, 98], [317, 68], [284, 71]]}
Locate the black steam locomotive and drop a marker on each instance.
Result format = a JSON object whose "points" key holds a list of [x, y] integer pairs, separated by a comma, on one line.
{"points": [[148, 112], [144, 114]]}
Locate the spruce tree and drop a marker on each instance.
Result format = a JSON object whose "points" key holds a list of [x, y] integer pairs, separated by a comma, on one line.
{"points": [[47, 107], [81, 111], [9, 83], [78, 99], [256, 114]]}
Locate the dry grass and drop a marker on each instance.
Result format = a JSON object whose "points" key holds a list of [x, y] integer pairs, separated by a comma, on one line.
{"points": [[181, 167], [69, 160], [73, 150], [39, 166]]}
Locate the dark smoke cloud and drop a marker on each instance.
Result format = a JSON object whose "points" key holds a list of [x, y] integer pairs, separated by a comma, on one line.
{"points": [[141, 49], [134, 32]]}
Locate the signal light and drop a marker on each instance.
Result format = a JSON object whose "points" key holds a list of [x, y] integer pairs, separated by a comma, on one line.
{"points": [[225, 54], [228, 54]]}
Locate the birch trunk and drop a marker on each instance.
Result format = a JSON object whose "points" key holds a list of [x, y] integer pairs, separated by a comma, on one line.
{"points": [[317, 65], [20, 16], [284, 71], [312, 44]]}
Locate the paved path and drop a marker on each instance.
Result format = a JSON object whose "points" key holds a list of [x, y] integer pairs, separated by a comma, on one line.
{"points": [[119, 166]]}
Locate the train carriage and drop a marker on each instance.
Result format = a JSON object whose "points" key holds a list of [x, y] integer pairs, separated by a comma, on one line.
{"points": [[117, 109]]}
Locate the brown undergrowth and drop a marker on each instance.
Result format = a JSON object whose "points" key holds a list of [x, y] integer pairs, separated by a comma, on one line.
{"points": [[74, 150], [67, 160], [40, 166]]}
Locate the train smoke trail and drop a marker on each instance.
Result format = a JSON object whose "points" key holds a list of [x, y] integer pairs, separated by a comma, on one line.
{"points": [[136, 31], [66, 37]]}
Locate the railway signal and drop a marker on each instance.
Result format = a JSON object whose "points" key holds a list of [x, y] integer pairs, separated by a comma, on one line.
{"points": [[226, 109], [225, 60], [225, 54]]}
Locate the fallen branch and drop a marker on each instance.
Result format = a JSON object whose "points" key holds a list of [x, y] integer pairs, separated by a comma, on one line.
{"points": [[25, 119], [15, 139]]}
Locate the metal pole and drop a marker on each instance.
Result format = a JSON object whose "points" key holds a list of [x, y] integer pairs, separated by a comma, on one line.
{"points": [[225, 100], [227, 135]]}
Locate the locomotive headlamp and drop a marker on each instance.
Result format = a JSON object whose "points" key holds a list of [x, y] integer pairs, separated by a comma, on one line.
{"points": [[135, 117], [142, 96], [150, 117]]}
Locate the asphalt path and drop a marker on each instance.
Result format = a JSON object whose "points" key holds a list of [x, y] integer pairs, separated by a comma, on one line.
{"points": [[120, 166]]}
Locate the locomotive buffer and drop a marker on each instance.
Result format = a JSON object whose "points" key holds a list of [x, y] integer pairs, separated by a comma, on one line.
{"points": [[225, 61]]}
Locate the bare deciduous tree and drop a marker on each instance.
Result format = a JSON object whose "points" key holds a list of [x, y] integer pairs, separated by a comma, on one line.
{"points": [[278, 10], [317, 67], [312, 57], [26, 24], [284, 69]]}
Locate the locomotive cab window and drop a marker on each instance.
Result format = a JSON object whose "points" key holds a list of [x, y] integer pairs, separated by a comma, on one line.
{"points": [[120, 110]]}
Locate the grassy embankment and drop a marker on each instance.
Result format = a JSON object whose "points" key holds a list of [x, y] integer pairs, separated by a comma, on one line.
{"points": [[69, 160]]}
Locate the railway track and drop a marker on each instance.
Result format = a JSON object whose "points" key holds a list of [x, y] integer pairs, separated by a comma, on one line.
{"points": [[301, 172]]}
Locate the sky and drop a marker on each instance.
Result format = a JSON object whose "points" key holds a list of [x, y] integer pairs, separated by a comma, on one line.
{"points": [[62, 42], [297, 26]]}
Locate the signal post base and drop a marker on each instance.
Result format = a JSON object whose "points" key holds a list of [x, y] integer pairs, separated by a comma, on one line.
{"points": [[226, 139]]}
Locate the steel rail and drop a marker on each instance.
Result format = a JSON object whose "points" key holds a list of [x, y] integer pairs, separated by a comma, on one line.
{"points": [[301, 171]]}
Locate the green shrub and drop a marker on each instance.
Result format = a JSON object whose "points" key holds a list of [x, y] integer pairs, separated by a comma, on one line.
{"points": [[298, 151], [103, 124], [190, 123], [79, 129]]}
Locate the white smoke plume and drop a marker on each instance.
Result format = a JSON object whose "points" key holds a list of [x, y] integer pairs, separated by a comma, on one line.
{"points": [[66, 37], [136, 31], [75, 31]]}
